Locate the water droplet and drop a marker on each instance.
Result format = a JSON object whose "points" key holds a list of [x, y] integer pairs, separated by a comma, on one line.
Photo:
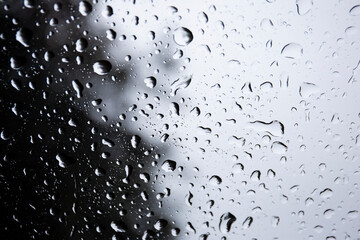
{"points": [[64, 161], [111, 34], [329, 213], [160, 224], [150, 82], [203, 17], [17, 62], [275, 127], [247, 223], [178, 54], [188, 198], [183, 36], [215, 180], [85, 8], [355, 10], [307, 89], [168, 166], [23, 36], [29, 3], [81, 44], [279, 148], [135, 141], [226, 220], [118, 226], [102, 67], [292, 50], [108, 11], [16, 84], [78, 87], [326, 193], [174, 109], [304, 6], [180, 83]]}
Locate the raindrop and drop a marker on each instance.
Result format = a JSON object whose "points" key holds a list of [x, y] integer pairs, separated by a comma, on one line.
{"points": [[102, 67], [292, 50], [279, 147], [85, 8], [118, 226], [160, 224], [135, 141], [226, 220], [23, 36], [81, 44], [150, 82], [168, 165], [78, 87], [108, 11], [64, 161], [183, 36], [215, 180], [355, 10], [304, 6], [247, 223], [307, 89], [180, 83]]}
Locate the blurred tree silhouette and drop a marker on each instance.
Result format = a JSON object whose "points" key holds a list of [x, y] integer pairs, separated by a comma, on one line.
{"points": [[41, 199]]}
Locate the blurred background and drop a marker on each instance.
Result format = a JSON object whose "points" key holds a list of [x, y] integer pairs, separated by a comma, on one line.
{"points": [[179, 119]]}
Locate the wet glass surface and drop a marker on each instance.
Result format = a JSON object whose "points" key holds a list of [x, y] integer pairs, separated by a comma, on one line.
{"points": [[180, 119]]}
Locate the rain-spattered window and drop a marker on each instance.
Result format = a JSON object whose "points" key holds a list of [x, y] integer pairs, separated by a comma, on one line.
{"points": [[180, 119]]}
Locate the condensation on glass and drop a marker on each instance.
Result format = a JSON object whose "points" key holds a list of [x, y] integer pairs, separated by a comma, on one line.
{"points": [[180, 119]]}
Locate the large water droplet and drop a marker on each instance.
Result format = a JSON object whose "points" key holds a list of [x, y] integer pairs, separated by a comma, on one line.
{"points": [[108, 11], [135, 141], [279, 148], [307, 89], [292, 50], [355, 10], [23, 36], [215, 180], [118, 226], [102, 67], [17, 62], [150, 82], [183, 36], [180, 83], [64, 161], [304, 6], [275, 127], [85, 8], [226, 220], [78, 87], [81, 44], [160, 224], [168, 166]]}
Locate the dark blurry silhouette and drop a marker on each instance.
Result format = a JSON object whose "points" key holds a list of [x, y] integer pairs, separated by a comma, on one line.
{"points": [[58, 181]]}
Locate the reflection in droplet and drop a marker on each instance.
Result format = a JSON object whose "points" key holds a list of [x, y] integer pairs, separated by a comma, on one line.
{"points": [[226, 220], [102, 67], [183, 36], [85, 8], [150, 82]]}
